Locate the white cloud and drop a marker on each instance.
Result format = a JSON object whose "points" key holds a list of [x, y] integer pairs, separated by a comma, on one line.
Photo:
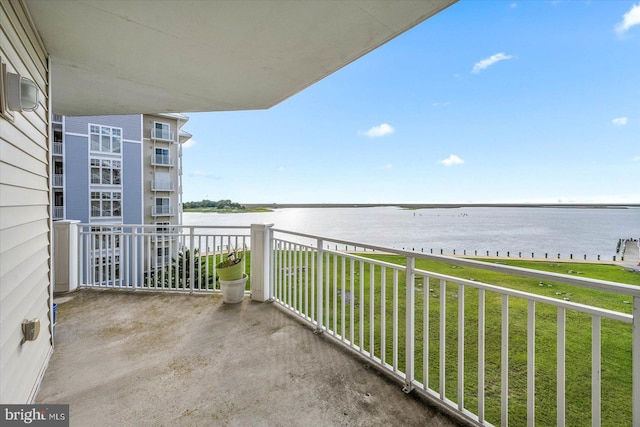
{"points": [[629, 19], [189, 143], [202, 174], [452, 160], [388, 166], [620, 121], [377, 131], [487, 62], [513, 6], [636, 159]]}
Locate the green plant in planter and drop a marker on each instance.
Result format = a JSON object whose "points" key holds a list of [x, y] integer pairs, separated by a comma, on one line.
{"points": [[232, 268]]}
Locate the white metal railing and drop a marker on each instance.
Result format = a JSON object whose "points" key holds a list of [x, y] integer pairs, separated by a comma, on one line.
{"points": [[490, 353], [58, 212], [162, 134], [149, 257], [163, 211], [58, 180], [57, 148], [504, 348], [162, 160], [160, 185]]}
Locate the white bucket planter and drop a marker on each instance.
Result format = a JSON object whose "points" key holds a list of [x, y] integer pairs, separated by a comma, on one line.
{"points": [[233, 290]]}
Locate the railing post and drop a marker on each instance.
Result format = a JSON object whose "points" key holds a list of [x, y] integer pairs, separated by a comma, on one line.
{"points": [[191, 260], [635, 364], [134, 259], [319, 286], [410, 323], [261, 256]]}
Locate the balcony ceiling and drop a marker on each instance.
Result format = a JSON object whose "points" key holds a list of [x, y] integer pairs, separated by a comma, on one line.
{"points": [[138, 56]]}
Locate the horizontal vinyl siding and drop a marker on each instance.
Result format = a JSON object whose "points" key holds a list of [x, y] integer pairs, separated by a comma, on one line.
{"points": [[24, 214], [131, 185], [76, 171], [130, 124]]}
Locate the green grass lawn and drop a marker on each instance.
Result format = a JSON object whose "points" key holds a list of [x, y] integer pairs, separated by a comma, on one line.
{"points": [[359, 309]]}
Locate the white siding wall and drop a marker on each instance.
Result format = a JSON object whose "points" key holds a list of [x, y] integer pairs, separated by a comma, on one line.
{"points": [[24, 214]]}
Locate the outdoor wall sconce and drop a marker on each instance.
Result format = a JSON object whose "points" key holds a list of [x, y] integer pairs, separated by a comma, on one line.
{"points": [[22, 93], [17, 93]]}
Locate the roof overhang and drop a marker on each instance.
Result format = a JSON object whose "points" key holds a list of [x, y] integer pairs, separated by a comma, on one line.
{"points": [[140, 56]]}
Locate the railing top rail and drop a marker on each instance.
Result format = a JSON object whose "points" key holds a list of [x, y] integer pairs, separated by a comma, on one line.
{"points": [[603, 285], [156, 226], [610, 314]]}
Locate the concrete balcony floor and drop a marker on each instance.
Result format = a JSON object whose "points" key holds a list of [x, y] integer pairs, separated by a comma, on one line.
{"points": [[170, 359]]}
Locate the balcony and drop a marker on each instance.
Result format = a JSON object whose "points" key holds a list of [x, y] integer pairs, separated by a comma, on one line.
{"points": [[163, 135], [58, 213], [57, 148], [58, 180], [159, 185], [163, 211], [162, 160], [187, 360], [487, 343]]}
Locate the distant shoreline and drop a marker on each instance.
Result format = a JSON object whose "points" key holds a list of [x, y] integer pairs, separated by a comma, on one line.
{"points": [[439, 205]]}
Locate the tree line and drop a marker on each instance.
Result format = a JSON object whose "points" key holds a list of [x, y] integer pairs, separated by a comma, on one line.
{"points": [[220, 204]]}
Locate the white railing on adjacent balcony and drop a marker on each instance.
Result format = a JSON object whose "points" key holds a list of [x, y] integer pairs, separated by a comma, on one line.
{"points": [[163, 135], [58, 212], [163, 211], [147, 257], [492, 343], [158, 185], [57, 148], [58, 180], [162, 160]]}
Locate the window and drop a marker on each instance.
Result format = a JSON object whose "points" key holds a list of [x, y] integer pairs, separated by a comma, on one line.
{"points": [[105, 139], [57, 132], [161, 156], [161, 131], [106, 269], [106, 172], [162, 252], [106, 203], [58, 199], [106, 237], [162, 206]]}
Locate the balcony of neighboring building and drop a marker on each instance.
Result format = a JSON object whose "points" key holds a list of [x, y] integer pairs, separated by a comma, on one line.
{"points": [[58, 180], [162, 159], [163, 211], [162, 185], [163, 134], [56, 148], [57, 213]]}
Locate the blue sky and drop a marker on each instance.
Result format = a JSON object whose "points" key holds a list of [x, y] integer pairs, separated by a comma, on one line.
{"points": [[488, 101]]}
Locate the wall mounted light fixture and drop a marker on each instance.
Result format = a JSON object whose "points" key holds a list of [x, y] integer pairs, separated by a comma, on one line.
{"points": [[22, 93], [17, 93]]}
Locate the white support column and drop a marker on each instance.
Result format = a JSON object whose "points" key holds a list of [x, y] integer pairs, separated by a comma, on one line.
{"points": [[261, 262], [65, 255]]}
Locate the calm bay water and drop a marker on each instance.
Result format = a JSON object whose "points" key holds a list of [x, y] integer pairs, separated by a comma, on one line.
{"points": [[552, 230]]}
